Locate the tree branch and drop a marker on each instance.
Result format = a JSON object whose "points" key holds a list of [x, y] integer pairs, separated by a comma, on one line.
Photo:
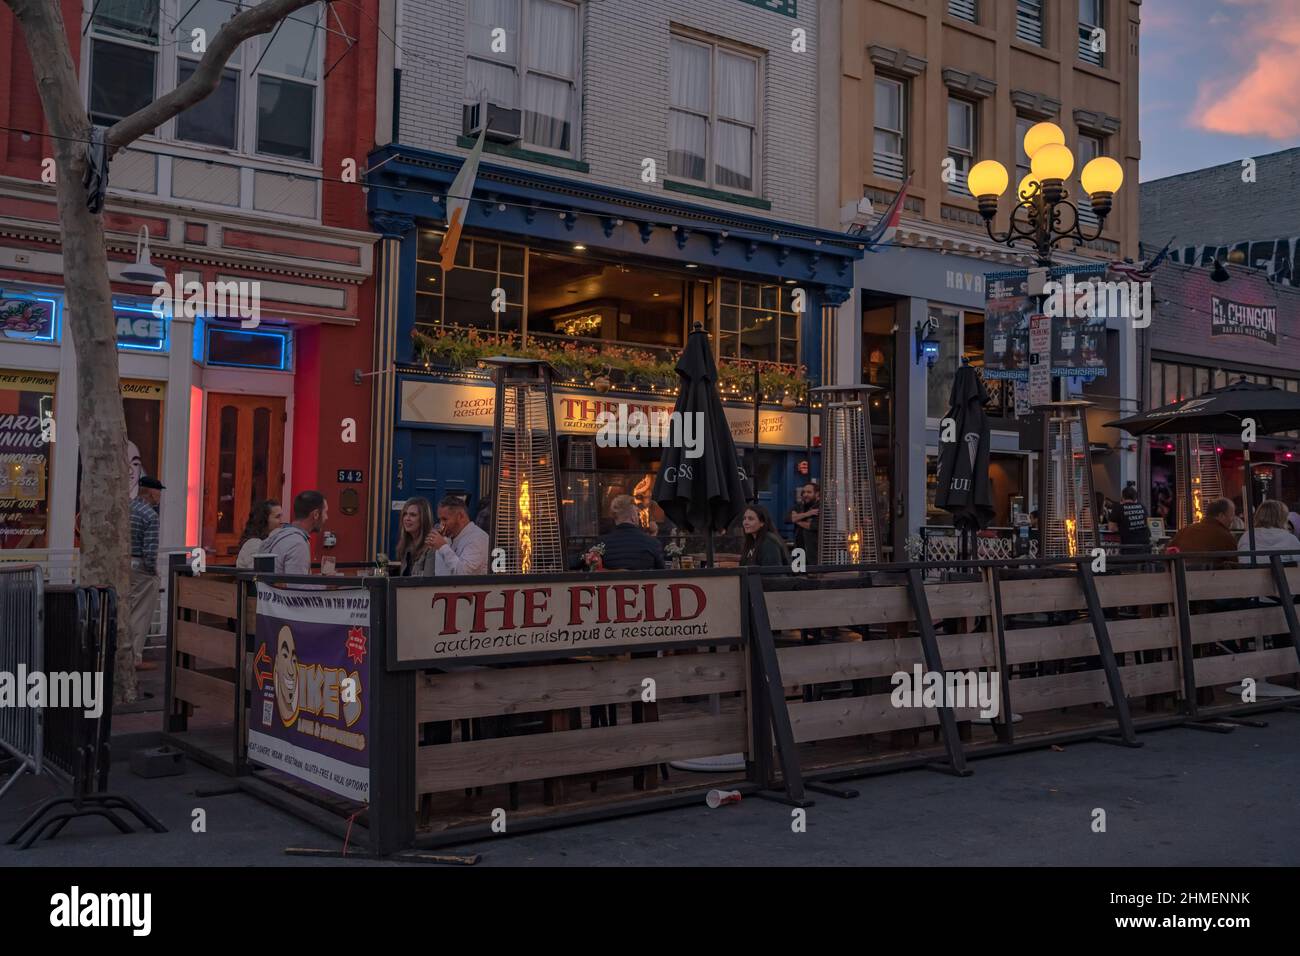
{"points": [[205, 78]]}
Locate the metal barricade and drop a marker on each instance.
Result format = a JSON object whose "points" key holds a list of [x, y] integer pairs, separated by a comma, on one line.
{"points": [[22, 605]]}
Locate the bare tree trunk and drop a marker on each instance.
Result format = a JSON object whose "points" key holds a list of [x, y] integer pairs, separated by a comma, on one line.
{"points": [[101, 425]]}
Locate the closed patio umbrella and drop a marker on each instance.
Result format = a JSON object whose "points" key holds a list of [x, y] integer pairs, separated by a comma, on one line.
{"points": [[963, 480]]}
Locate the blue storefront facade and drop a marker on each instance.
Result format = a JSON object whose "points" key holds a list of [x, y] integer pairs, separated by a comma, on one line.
{"points": [[606, 283]]}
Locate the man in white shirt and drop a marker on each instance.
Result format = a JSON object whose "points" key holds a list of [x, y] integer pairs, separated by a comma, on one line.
{"points": [[460, 547]]}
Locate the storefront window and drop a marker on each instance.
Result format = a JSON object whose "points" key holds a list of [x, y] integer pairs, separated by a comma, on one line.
{"points": [[462, 298], [938, 380], [578, 297], [26, 431], [758, 322]]}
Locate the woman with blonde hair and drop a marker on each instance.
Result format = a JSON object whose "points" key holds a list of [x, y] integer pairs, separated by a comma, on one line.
{"points": [[1271, 533], [413, 552]]}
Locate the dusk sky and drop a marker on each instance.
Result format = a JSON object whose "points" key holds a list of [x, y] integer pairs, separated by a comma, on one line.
{"points": [[1220, 82]]}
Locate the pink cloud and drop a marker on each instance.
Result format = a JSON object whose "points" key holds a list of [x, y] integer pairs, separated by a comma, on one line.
{"points": [[1264, 100]]}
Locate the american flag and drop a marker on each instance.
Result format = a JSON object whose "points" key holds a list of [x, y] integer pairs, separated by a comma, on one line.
{"points": [[1128, 269]]}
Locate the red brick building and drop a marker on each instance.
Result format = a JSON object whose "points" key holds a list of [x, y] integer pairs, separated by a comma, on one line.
{"points": [[246, 187]]}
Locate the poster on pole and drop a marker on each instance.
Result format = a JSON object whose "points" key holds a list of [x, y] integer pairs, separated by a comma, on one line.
{"points": [[311, 687], [1007, 307], [1040, 357]]}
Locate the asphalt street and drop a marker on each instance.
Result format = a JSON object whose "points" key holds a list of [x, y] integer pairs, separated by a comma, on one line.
{"points": [[1186, 798]]}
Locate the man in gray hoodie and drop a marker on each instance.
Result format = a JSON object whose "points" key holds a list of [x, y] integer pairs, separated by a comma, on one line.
{"points": [[290, 543]]}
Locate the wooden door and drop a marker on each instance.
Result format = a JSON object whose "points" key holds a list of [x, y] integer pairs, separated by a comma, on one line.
{"points": [[243, 460]]}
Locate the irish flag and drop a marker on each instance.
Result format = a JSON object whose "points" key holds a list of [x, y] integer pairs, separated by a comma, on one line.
{"points": [[462, 187]]}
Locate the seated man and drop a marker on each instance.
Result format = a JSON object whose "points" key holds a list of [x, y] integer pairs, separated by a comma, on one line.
{"points": [[460, 547], [1212, 532], [628, 547]]}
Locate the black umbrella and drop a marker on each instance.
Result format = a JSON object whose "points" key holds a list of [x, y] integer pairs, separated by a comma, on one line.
{"points": [[705, 492], [1222, 411], [964, 463]]}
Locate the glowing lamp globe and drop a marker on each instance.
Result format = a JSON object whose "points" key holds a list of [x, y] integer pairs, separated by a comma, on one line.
{"points": [[1052, 162], [1102, 175], [1040, 135], [987, 180]]}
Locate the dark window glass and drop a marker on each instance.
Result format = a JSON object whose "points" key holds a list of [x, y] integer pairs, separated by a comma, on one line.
{"points": [[469, 299], [285, 112], [512, 260], [211, 120], [121, 81], [259, 350]]}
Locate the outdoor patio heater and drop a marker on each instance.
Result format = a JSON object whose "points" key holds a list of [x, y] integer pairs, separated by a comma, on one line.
{"points": [[849, 531], [1067, 516], [526, 464], [1197, 476]]}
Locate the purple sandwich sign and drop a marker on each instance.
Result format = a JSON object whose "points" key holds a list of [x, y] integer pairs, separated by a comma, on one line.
{"points": [[311, 687]]}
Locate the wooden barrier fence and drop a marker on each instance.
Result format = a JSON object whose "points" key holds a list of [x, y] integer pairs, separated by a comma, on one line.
{"points": [[798, 681]]}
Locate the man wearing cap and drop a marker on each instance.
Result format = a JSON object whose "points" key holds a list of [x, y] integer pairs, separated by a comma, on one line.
{"points": [[144, 565]]}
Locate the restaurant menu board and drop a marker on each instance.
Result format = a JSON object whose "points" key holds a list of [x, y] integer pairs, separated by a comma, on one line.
{"points": [[311, 687], [27, 433], [591, 616], [1007, 308]]}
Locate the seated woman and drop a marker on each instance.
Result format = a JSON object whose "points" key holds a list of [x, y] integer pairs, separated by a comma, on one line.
{"points": [[763, 546], [413, 552], [1271, 534]]}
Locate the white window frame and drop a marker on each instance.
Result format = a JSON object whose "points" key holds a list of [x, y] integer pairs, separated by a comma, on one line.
{"points": [[964, 156], [1085, 33], [714, 45], [164, 143], [522, 71], [1086, 215], [1022, 168], [901, 133]]}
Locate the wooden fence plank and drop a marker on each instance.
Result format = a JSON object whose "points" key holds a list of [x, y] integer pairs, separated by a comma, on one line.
{"points": [[958, 599], [1230, 583], [1124, 590], [1229, 668], [210, 593], [821, 663], [486, 692], [481, 763], [1236, 625], [1042, 594], [204, 691], [207, 643], [836, 607], [1062, 641], [852, 716], [1029, 694]]}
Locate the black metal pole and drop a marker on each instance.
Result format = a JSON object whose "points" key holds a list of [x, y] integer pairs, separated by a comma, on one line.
{"points": [[758, 395]]}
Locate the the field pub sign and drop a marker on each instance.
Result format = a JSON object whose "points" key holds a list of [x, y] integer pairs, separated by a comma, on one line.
{"points": [[1241, 318]]}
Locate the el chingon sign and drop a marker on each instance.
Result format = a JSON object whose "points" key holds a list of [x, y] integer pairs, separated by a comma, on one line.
{"points": [[1241, 318]]}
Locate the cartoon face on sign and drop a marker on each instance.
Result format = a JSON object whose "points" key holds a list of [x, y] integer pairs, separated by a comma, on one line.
{"points": [[286, 676]]}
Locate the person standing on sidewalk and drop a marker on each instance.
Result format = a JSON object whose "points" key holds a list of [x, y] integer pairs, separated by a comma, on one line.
{"points": [[144, 566]]}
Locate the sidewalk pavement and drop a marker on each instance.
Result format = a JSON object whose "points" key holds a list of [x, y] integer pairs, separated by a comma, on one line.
{"points": [[1185, 798]]}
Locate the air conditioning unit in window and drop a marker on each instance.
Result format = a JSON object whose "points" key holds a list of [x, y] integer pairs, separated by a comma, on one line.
{"points": [[503, 125]]}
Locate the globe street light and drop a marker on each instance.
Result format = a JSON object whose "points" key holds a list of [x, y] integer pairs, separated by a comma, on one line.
{"points": [[1042, 194]]}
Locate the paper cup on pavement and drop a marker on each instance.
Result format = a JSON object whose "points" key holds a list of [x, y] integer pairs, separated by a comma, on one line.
{"points": [[718, 798]]}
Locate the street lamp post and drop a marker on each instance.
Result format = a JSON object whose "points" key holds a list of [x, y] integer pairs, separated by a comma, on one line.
{"points": [[1042, 194]]}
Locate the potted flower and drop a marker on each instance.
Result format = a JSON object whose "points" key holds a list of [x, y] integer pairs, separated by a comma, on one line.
{"points": [[594, 559]]}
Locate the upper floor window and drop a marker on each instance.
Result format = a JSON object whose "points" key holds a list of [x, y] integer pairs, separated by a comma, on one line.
{"points": [[1091, 31], [1029, 21], [1022, 158], [265, 102], [890, 145], [961, 142], [758, 322], [523, 60], [455, 299], [713, 120], [964, 10], [1090, 147]]}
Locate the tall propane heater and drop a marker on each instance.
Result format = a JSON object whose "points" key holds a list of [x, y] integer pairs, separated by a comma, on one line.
{"points": [[1197, 476], [848, 532], [525, 459], [1067, 524]]}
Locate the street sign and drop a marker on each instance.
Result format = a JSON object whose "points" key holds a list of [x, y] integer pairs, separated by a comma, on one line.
{"points": [[1040, 360]]}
